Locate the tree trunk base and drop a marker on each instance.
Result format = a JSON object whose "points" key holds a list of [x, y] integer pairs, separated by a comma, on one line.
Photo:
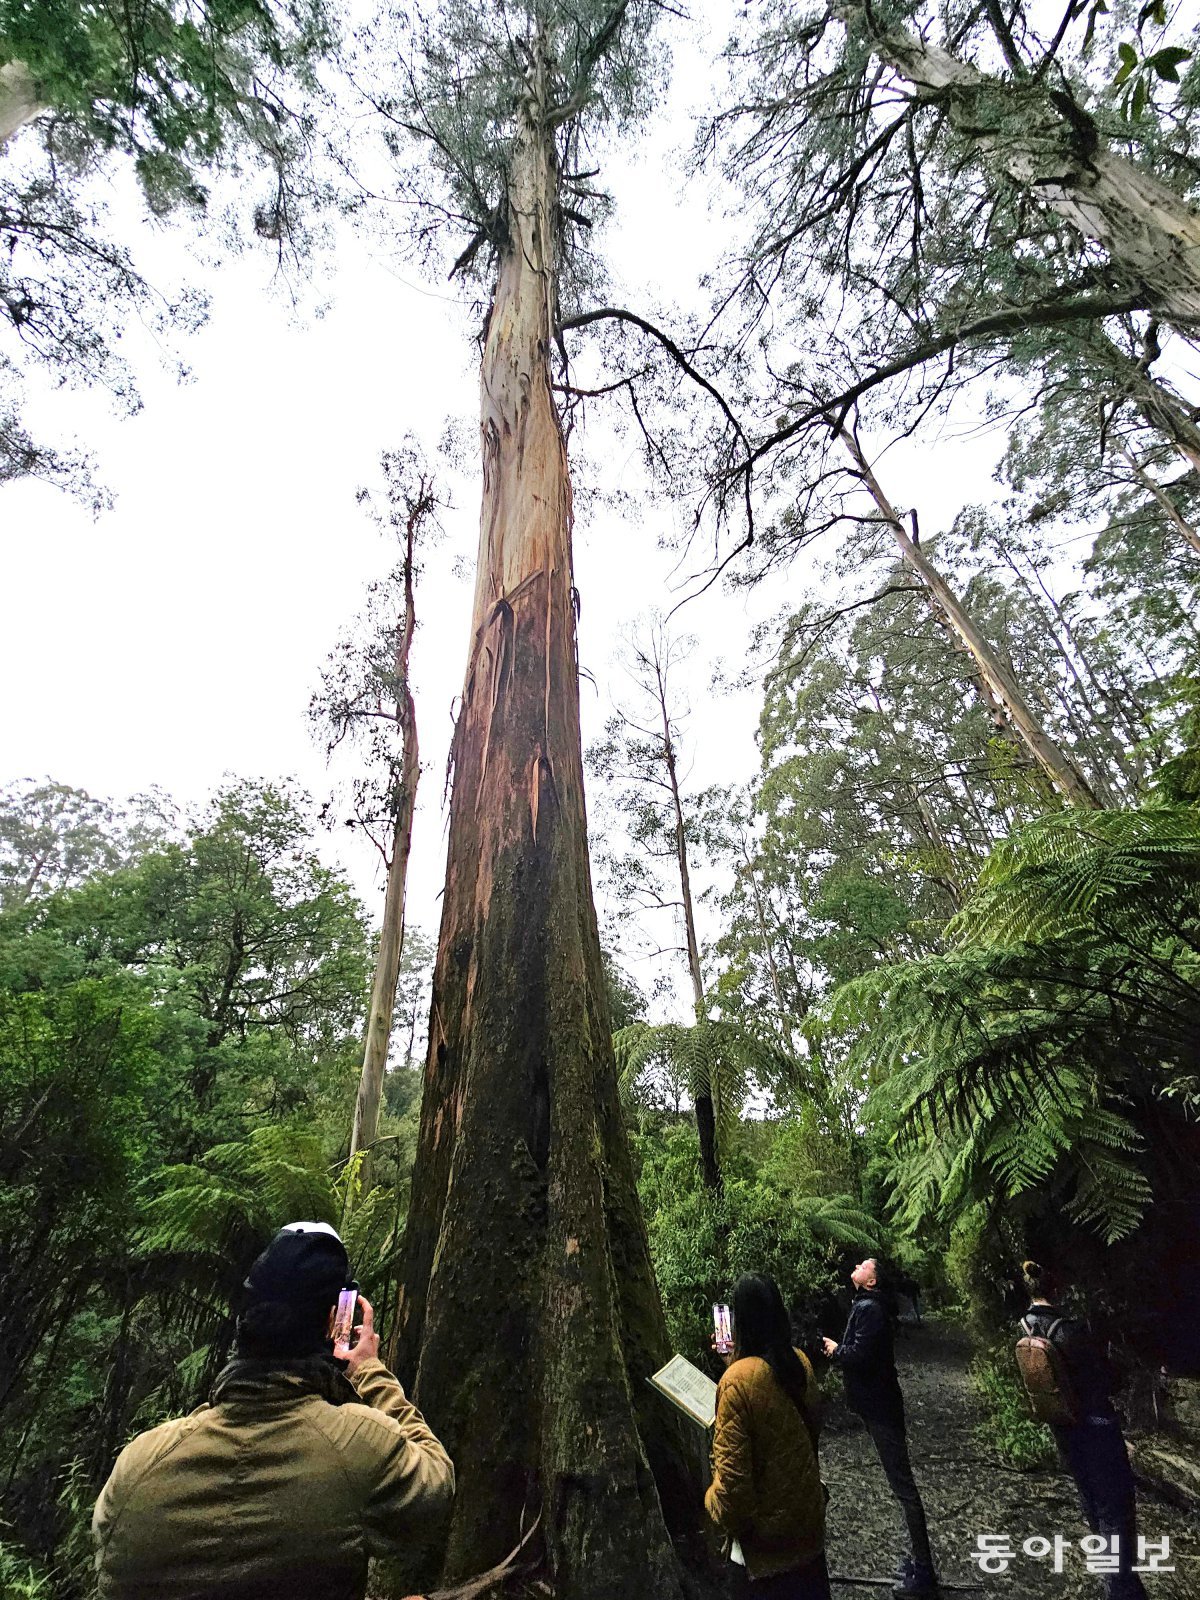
{"points": [[706, 1576]]}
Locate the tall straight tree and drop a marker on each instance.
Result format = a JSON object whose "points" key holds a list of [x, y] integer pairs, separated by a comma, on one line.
{"points": [[529, 1312], [638, 760], [366, 699], [997, 683]]}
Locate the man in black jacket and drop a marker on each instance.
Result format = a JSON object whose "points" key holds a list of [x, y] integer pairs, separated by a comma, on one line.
{"points": [[868, 1366]]}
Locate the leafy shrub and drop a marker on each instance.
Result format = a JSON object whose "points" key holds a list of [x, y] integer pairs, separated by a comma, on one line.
{"points": [[20, 1577], [1009, 1428], [701, 1242]]}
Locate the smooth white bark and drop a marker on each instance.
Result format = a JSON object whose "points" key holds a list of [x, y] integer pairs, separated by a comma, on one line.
{"points": [[998, 683], [19, 99], [1148, 230]]}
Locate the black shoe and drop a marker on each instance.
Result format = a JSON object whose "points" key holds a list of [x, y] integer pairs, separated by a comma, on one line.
{"points": [[917, 1583]]}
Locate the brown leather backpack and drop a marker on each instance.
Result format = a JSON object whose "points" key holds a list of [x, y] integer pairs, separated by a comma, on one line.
{"points": [[1044, 1374]]}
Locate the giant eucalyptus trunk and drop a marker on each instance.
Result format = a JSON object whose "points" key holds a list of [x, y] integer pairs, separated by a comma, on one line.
{"points": [[529, 1312], [1150, 233], [365, 1129], [998, 683]]}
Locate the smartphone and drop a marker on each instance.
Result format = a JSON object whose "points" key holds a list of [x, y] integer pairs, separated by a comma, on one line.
{"points": [[722, 1329], [343, 1321]]}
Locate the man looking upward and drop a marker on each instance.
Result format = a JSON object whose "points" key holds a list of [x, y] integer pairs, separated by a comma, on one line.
{"points": [[868, 1366]]}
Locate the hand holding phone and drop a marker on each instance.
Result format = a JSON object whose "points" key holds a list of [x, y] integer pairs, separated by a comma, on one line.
{"points": [[722, 1330], [343, 1321], [366, 1342]]}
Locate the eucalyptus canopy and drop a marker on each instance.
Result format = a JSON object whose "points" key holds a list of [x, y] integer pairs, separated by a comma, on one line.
{"points": [[179, 94]]}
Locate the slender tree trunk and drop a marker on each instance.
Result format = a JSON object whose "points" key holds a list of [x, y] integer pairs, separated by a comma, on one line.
{"points": [[1173, 514], [706, 1107], [764, 934], [391, 939], [1093, 727], [944, 872], [1113, 710], [19, 101], [997, 679], [1150, 233], [529, 1312]]}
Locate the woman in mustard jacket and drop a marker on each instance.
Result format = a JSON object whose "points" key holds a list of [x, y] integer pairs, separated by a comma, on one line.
{"points": [[766, 1489]]}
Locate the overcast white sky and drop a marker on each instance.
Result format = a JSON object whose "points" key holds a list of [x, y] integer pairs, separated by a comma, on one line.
{"points": [[177, 638]]}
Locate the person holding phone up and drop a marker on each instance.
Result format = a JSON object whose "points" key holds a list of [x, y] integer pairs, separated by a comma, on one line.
{"points": [[766, 1488], [299, 1469]]}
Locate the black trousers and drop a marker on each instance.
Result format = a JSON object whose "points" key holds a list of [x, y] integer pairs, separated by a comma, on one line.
{"points": [[1094, 1453], [891, 1446], [810, 1582]]}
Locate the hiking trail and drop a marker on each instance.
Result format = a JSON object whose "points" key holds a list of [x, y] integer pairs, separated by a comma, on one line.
{"points": [[967, 1491]]}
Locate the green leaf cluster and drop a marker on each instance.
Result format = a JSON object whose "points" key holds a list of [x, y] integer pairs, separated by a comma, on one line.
{"points": [[181, 1009]]}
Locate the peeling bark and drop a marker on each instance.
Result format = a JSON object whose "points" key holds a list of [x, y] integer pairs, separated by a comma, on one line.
{"points": [[998, 683], [529, 1312], [1151, 234]]}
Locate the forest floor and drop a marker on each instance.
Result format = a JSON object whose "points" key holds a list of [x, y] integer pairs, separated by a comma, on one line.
{"points": [[967, 1491]]}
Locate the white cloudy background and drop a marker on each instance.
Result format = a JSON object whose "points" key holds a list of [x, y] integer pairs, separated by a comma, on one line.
{"points": [[176, 638]]}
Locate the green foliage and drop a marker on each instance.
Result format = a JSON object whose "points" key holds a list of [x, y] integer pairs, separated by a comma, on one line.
{"points": [[701, 1242], [626, 1002], [179, 1042], [1008, 1428], [471, 68], [53, 837], [22, 1578], [174, 93], [1065, 1010], [225, 1206], [171, 88], [719, 1057]]}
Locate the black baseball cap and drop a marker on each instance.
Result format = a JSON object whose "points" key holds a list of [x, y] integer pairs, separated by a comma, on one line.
{"points": [[305, 1264]]}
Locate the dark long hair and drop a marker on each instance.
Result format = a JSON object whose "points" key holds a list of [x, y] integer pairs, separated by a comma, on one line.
{"points": [[761, 1328]]}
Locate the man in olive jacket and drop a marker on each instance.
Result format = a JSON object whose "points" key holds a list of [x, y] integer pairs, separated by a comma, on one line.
{"points": [[294, 1474]]}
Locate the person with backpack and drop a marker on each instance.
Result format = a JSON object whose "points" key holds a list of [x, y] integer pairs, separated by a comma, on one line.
{"points": [[766, 1487], [1070, 1385], [866, 1356]]}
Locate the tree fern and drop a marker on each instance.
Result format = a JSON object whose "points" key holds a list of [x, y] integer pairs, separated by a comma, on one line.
{"points": [[204, 1223], [721, 1057], [1069, 997], [841, 1219]]}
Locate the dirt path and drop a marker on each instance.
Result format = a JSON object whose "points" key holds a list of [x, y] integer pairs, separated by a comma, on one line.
{"points": [[967, 1491]]}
